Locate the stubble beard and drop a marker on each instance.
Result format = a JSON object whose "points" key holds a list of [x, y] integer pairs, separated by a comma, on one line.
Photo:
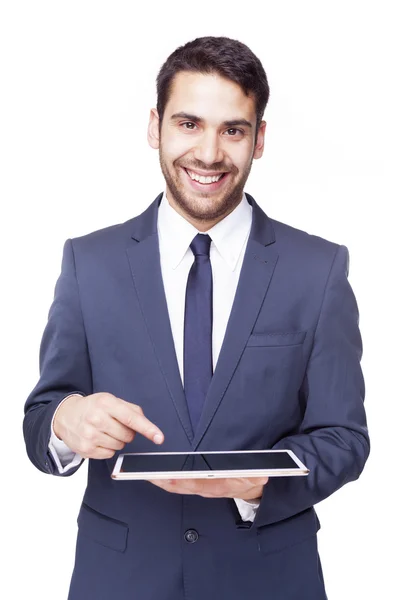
{"points": [[197, 207]]}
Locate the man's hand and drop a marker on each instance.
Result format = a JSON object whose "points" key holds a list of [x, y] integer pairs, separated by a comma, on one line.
{"points": [[246, 489], [98, 425]]}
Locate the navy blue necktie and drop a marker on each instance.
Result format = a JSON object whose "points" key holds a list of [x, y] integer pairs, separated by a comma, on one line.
{"points": [[198, 365]]}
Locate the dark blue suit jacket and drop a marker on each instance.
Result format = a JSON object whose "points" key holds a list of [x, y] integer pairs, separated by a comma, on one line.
{"points": [[288, 376]]}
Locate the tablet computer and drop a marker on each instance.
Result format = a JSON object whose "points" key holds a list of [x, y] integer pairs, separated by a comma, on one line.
{"points": [[218, 464]]}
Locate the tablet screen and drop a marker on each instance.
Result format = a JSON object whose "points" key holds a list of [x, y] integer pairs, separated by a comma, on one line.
{"points": [[207, 462]]}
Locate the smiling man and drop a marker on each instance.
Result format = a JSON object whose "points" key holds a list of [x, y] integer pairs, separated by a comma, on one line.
{"points": [[201, 325]]}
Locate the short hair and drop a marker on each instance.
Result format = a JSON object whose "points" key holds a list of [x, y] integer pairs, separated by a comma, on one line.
{"points": [[227, 57]]}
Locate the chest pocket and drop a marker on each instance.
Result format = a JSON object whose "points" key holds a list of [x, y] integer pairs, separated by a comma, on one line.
{"points": [[277, 339]]}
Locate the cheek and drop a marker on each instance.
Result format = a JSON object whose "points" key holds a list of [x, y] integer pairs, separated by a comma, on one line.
{"points": [[241, 158], [174, 148], [177, 150]]}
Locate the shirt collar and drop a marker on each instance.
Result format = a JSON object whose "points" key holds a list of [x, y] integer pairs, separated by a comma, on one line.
{"points": [[229, 235]]}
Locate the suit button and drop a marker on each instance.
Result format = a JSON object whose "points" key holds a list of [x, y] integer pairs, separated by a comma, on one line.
{"points": [[191, 536]]}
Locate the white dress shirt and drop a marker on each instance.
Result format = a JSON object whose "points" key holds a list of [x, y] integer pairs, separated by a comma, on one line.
{"points": [[229, 239]]}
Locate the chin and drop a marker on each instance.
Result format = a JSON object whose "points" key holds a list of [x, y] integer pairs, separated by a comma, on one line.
{"points": [[209, 212]]}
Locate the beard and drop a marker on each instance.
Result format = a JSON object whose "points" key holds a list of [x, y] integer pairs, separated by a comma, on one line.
{"points": [[204, 206]]}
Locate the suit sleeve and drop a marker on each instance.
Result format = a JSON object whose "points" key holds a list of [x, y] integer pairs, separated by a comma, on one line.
{"points": [[332, 440], [64, 366], [64, 457]]}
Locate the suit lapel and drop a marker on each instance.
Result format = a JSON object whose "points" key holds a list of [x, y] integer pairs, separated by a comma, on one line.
{"points": [[258, 267], [144, 260]]}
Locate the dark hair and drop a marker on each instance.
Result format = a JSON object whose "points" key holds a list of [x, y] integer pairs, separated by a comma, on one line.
{"points": [[229, 58]]}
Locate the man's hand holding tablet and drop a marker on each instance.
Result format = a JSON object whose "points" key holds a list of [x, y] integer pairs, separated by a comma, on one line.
{"points": [[245, 489], [217, 474]]}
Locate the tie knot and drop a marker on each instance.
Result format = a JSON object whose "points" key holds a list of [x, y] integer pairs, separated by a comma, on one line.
{"points": [[201, 244]]}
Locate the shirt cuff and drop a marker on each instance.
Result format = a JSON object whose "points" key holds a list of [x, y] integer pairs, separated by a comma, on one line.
{"points": [[247, 508], [63, 456]]}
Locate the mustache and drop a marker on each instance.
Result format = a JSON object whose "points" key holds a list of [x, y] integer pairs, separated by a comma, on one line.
{"points": [[217, 167]]}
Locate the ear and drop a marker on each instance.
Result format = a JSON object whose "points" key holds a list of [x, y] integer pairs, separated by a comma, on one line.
{"points": [[153, 133], [259, 147]]}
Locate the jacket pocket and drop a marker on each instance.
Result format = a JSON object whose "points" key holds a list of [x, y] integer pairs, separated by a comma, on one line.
{"points": [[102, 529], [283, 534], [277, 339]]}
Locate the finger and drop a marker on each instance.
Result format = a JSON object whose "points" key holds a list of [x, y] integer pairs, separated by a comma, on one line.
{"points": [[101, 453], [194, 486], [103, 440], [219, 487], [117, 430], [198, 486], [244, 483], [173, 487], [161, 483], [205, 485], [129, 416], [256, 481], [101, 421]]}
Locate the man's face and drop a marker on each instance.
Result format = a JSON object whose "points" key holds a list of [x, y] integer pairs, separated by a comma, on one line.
{"points": [[208, 131]]}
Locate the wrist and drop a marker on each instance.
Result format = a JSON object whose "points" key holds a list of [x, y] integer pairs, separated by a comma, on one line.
{"points": [[57, 417], [57, 422]]}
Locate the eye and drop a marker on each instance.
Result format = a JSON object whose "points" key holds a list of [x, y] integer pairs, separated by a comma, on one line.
{"points": [[189, 125], [233, 132]]}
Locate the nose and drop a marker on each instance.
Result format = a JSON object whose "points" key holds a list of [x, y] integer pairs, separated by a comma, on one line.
{"points": [[208, 150]]}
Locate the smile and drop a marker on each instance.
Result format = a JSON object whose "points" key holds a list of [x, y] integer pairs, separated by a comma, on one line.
{"points": [[202, 179], [210, 183]]}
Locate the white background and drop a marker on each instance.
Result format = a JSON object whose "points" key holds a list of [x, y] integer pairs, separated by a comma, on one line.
{"points": [[77, 84]]}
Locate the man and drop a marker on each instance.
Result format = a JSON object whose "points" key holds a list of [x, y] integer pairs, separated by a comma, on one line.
{"points": [[201, 324]]}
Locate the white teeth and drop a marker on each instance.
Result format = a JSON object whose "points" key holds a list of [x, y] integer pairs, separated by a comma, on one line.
{"points": [[203, 179]]}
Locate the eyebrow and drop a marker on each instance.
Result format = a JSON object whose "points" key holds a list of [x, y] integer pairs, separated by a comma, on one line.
{"points": [[196, 119]]}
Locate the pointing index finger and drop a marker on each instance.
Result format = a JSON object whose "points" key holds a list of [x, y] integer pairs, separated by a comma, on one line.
{"points": [[125, 413]]}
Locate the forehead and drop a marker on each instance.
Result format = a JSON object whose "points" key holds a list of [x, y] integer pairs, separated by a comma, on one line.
{"points": [[209, 96]]}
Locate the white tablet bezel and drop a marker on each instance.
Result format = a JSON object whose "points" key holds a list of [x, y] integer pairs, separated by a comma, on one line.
{"points": [[117, 474]]}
